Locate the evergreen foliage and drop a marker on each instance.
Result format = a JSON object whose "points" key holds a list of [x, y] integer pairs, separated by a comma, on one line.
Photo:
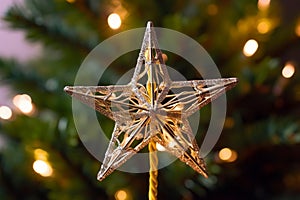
{"points": [[263, 111]]}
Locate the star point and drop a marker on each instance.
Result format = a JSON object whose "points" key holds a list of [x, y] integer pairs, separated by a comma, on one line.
{"points": [[151, 107]]}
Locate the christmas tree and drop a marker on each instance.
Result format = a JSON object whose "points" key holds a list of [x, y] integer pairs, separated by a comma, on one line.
{"points": [[256, 157]]}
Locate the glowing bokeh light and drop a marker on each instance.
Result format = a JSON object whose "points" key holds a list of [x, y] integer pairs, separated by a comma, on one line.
{"points": [[250, 47], [263, 26], [263, 4], [40, 154], [227, 155], [43, 168], [71, 1], [165, 57], [24, 103], [288, 70], [297, 29], [212, 9], [5, 112], [121, 195], [229, 122], [114, 21]]}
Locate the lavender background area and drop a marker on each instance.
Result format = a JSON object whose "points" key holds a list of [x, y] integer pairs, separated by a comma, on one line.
{"points": [[13, 45]]}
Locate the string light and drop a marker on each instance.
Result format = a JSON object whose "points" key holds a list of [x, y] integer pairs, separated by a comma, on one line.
{"points": [[121, 195], [43, 168], [41, 164], [229, 122], [71, 1], [297, 29], [114, 21], [165, 57], [227, 155], [5, 112], [263, 26], [288, 70], [263, 4], [250, 47], [40, 154], [24, 103], [212, 9]]}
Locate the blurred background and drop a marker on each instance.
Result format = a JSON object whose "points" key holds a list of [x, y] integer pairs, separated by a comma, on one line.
{"points": [[42, 44]]}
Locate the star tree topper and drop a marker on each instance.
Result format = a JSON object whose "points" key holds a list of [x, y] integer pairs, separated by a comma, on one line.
{"points": [[151, 107]]}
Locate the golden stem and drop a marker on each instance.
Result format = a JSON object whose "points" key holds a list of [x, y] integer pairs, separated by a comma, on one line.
{"points": [[153, 159], [153, 173]]}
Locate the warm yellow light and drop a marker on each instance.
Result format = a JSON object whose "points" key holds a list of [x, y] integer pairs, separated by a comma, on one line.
{"points": [[229, 122], [114, 21], [250, 47], [288, 70], [165, 57], [212, 9], [5, 112], [40, 154], [263, 4], [24, 103], [71, 1], [263, 26], [227, 155], [43, 168], [297, 29], [121, 195], [159, 147]]}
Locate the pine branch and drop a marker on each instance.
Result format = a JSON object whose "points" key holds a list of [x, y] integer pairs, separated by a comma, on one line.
{"points": [[47, 28], [59, 151], [13, 72], [94, 190], [7, 185], [84, 7], [25, 80]]}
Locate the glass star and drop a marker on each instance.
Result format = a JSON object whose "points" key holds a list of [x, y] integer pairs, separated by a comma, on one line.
{"points": [[151, 107]]}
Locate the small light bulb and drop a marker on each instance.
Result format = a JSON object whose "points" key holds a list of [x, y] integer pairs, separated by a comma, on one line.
{"points": [[40, 154], [114, 21], [43, 168], [24, 103], [263, 26], [227, 155], [5, 112], [263, 4], [288, 70], [212, 9], [250, 47], [165, 57], [297, 29], [121, 195]]}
